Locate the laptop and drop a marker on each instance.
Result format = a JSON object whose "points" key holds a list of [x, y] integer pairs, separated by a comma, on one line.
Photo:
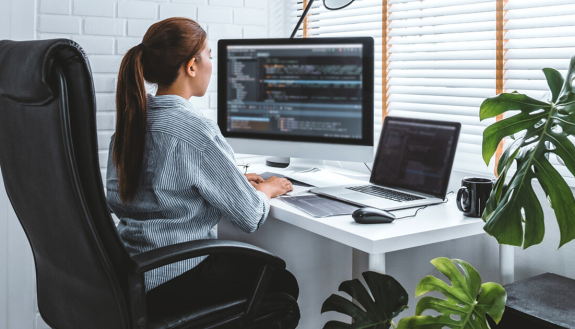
{"points": [[411, 168]]}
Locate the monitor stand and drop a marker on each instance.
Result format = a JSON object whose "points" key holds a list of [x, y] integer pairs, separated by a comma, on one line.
{"points": [[296, 164], [278, 162]]}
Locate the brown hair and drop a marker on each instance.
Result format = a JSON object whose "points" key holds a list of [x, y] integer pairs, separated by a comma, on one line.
{"points": [[167, 45]]}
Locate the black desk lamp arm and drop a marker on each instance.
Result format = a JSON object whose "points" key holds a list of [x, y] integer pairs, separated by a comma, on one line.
{"points": [[303, 15]]}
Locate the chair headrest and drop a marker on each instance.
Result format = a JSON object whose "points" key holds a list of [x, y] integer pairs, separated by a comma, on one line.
{"points": [[26, 67]]}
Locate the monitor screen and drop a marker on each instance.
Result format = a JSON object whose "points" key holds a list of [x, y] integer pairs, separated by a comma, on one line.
{"points": [[294, 89], [416, 155]]}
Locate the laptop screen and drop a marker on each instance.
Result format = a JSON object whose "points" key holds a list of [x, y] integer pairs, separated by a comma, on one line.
{"points": [[416, 155]]}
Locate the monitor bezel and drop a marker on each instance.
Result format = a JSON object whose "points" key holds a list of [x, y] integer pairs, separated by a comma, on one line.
{"points": [[389, 120], [367, 94]]}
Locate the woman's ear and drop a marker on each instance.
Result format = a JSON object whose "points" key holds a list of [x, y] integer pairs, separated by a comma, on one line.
{"points": [[191, 68]]}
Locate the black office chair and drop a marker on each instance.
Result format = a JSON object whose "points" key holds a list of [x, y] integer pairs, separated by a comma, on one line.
{"points": [[49, 161]]}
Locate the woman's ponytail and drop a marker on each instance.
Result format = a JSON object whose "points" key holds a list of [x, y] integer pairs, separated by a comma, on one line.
{"points": [[131, 121]]}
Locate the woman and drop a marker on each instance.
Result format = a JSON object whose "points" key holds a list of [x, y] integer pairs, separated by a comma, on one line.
{"points": [[171, 174]]}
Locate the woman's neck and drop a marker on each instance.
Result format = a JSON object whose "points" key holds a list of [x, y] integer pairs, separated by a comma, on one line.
{"points": [[175, 89]]}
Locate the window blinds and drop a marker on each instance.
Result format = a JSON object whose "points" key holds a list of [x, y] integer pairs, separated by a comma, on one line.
{"points": [[440, 60], [442, 66]]}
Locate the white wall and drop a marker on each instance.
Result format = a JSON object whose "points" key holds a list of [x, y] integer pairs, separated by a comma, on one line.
{"points": [[17, 275], [17, 19]]}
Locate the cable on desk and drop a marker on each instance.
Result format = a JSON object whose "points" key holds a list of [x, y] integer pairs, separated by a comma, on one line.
{"points": [[446, 198], [421, 208], [367, 166]]}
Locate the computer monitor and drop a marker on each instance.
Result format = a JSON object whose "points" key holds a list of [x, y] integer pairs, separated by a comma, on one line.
{"points": [[307, 98]]}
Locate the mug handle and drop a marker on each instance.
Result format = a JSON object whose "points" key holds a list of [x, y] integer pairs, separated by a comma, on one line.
{"points": [[462, 190]]}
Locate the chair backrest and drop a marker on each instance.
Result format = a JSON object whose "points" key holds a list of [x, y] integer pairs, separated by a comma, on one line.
{"points": [[49, 162]]}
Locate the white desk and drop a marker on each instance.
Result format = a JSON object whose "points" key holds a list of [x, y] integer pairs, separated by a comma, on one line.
{"points": [[434, 224]]}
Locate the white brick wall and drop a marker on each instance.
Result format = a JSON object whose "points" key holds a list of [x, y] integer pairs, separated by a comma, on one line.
{"points": [[105, 84], [59, 24], [124, 44], [194, 2], [105, 8], [95, 44], [55, 7], [138, 27], [137, 9], [178, 10], [228, 3], [213, 14], [245, 16], [104, 26]]}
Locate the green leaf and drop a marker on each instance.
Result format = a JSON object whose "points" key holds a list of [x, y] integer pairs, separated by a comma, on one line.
{"points": [[532, 112], [494, 106], [562, 201], [505, 223], [492, 300], [508, 156], [513, 214], [555, 82], [567, 94], [390, 300], [462, 308], [499, 188]]}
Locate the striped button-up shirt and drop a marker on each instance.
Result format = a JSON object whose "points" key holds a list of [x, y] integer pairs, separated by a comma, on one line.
{"points": [[189, 179]]}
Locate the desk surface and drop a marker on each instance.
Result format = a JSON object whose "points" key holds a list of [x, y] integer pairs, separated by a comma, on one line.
{"points": [[433, 224]]}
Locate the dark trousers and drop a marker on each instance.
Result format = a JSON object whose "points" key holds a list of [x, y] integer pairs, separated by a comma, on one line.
{"points": [[216, 278]]}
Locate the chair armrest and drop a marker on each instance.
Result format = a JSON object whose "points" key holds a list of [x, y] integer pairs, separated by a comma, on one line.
{"points": [[155, 258]]}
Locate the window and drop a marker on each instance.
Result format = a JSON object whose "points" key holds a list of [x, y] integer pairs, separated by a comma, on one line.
{"points": [[441, 55]]}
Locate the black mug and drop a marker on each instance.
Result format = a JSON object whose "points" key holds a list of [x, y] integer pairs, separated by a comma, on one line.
{"points": [[473, 195]]}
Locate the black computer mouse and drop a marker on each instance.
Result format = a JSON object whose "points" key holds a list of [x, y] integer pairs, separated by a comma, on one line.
{"points": [[369, 215]]}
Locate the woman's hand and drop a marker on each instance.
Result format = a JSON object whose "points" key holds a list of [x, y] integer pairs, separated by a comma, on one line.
{"points": [[254, 179], [274, 186]]}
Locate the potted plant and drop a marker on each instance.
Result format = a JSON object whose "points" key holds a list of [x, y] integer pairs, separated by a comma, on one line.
{"points": [[466, 305]]}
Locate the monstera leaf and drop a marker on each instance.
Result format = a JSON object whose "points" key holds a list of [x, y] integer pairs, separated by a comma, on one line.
{"points": [[462, 309], [390, 300], [546, 127]]}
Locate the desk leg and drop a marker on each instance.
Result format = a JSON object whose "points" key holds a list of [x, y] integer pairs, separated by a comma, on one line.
{"points": [[506, 264], [363, 261], [377, 263]]}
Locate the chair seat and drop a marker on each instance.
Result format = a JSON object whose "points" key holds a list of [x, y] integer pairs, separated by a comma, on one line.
{"points": [[183, 319], [273, 306]]}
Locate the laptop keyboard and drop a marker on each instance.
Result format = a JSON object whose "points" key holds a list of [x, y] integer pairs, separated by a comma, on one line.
{"points": [[385, 193]]}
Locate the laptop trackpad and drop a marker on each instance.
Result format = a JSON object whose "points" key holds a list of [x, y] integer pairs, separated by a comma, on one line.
{"points": [[368, 200], [360, 197]]}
